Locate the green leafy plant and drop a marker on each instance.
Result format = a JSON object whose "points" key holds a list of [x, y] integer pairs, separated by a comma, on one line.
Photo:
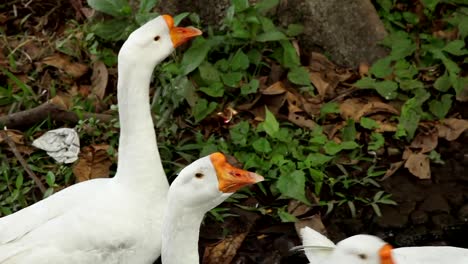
{"points": [[125, 17], [415, 54], [226, 62]]}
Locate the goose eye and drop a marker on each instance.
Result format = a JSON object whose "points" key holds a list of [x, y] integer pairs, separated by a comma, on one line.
{"points": [[199, 175], [362, 256], [157, 38]]}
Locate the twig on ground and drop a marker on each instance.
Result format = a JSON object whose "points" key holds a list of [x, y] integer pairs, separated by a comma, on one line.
{"points": [[20, 158], [55, 112]]}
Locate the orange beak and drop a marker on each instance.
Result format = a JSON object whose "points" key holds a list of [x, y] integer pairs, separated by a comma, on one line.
{"points": [[386, 254], [180, 35], [231, 178]]}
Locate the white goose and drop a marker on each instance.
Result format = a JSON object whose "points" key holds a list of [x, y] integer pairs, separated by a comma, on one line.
{"points": [[367, 249], [114, 220], [199, 187]]}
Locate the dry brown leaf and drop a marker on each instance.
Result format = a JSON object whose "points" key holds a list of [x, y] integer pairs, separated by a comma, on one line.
{"points": [[94, 162], [46, 80], [84, 90], [274, 102], [18, 139], [350, 107], [301, 121], [386, 127], [355, 108], [319, 62], [15, 135], [425, 141], [406, 153], [294, 103], [298, 208], [33, 50], [3, 18], [63, 62], [342, 74], [63, 101], [331, 130], [312, 106], [275, 88], [99, 79], [375, 107], [224, 251], [451, 128], [363, 69], [447, 34], [25, 149], [249, 105], [462, 96], [314, 222], [319, 83], [419, 165], [88, 12], [393, 168]]}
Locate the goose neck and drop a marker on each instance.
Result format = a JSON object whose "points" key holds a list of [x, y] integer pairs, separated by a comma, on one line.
{"points": [[181, 229], [139, 160]]}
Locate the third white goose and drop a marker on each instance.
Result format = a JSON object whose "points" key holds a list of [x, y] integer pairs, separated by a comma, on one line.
{"points": [[199, 187], [114, 220], [368, 249]]}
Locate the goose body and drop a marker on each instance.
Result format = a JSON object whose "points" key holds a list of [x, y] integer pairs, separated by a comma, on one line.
{"points": [[200, 187], [367, 249], [114, 220]]}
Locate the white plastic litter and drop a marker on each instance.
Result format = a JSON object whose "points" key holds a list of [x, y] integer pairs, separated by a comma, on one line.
{"points": [[61, 144]]}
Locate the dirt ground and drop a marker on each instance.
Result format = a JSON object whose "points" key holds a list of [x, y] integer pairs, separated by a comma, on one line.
{"points": [[429, 212]]}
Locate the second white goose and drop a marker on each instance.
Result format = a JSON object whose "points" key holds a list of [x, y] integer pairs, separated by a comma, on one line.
{"points": [[199, 187]]}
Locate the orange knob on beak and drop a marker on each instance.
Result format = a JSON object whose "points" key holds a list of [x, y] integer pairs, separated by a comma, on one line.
{"points": [[180, 35]]}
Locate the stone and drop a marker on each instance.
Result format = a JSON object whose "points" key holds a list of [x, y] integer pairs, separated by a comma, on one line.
{"points": [[353, 225], [435, 203], [455, 197], [211, 12], [442, 221], [347, 30], [463, 213], [411, 236], [407, 207], [391, 218], [419, 217]]}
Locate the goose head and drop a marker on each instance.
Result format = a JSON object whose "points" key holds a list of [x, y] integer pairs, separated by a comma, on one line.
{"points": [[362, 249], [155, 41], [207, 182]]}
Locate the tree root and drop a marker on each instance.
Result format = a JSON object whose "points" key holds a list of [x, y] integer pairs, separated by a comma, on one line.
{"points": [[47, 110]]}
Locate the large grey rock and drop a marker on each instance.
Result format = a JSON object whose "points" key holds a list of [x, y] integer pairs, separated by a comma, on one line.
{"points": [[211, 12], [348, 30]]}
